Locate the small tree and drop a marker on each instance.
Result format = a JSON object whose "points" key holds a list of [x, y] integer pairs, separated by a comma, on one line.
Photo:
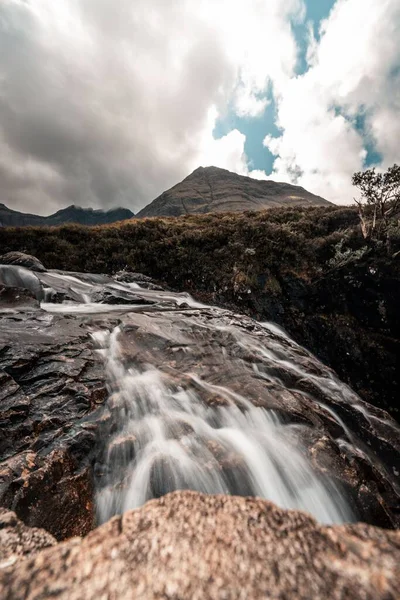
{"points": [[380, 197]]}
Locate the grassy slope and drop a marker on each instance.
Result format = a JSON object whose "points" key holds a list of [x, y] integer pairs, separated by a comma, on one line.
{"points": [[308, 269]]}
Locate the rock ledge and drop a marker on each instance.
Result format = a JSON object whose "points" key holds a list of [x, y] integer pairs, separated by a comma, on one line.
{"points": [[192, 546]]}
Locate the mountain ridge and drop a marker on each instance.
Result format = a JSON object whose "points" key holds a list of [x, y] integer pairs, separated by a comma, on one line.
{"points": [[205, 190], [211, 189], [70, 214]]}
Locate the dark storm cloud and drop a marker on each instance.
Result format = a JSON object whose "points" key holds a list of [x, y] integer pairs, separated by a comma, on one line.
{"points": [[100, 106], [107, 103]]}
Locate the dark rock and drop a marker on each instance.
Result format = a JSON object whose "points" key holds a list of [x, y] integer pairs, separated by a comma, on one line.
{"points": [[143, 280], [114, 297], [53, 389], [22, 260], [54, 492], [11, 297], [128, 277], [51, 385], [192, 546], [206, 346]]}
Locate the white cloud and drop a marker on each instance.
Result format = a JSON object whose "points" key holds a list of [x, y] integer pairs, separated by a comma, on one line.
{"points": [[105, 103], [258, 174], [355, 68], [247, 103]]}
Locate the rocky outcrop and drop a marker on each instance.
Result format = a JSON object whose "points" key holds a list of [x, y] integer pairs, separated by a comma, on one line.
{"points": [[190, 546], [221, 348], [53, 393], [71, 214], [212, 189], [51, 383], [22, 260]]}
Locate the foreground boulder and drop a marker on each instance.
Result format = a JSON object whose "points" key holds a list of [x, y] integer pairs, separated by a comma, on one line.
{"points": [[19, 541], [193, 546]]}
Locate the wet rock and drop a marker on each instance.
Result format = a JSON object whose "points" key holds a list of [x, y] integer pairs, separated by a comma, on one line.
{"points": [[58, 297], [51, 387], [129, 277], [143, 280], [58, 410], [22, 279], [54, 491], [192, 546], [122, 449], [22, 260], [11, 298], [220, 351], [114, 297]]}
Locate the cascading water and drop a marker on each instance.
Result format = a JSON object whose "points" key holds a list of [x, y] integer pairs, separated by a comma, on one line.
{"points": [[203, 399], [169, 439]]}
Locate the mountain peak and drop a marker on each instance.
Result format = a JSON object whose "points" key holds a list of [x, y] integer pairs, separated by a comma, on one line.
{"points": [[211, 170], [212, 189]]}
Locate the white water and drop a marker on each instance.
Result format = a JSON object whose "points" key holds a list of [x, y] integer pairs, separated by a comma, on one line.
{"points": [[164, 434], [89, 308], [169, 439]]}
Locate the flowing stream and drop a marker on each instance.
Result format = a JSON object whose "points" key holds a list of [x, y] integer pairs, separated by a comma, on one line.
{"points": [[203, 399], [169, 439]]}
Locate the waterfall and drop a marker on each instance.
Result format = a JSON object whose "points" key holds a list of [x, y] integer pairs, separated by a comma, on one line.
{"points": [[201, 398], [167, 439]]}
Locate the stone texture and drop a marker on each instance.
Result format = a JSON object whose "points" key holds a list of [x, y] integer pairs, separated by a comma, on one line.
{"points": [[12, 297], [212, 189], [22, 260], [189, 546], [19, 541], [220, 347], [53, 387]]}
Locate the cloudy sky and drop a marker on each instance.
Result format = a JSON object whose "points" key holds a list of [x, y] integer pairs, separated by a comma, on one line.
{"points": [[109, 102]]}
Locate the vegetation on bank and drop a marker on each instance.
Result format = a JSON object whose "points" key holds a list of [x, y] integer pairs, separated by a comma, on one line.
{"points": [[173, 249], [213, 251]]}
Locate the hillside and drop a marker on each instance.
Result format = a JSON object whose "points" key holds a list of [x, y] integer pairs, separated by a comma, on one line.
{"points": [[71, 214], [212, 189]]}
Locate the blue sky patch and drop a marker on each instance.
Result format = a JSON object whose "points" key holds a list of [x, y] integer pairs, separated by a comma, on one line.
{"points": [[256, 128]]}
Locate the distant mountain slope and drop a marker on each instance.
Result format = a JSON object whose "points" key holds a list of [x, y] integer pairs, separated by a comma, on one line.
{"points": [[207, 189], [71, 214], [211, 189]]}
